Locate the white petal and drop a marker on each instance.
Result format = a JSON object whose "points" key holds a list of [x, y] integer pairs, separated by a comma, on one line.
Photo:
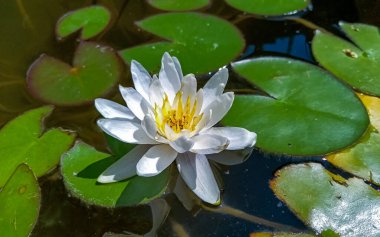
{"points": [[178, 67], [141, 79], [199, 98], [149, 126], [231, 157], [169, 77], [219, 108], [110, 109], [155, 160], [215, 86], [125, 167], [126, 131], [208, 144], [156, 93], [182, 144], [197, 174], [136, 103], [189, 88], [239, 138]]}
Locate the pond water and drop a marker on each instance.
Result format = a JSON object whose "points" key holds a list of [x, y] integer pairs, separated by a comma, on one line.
{"points": [[245, 186]]}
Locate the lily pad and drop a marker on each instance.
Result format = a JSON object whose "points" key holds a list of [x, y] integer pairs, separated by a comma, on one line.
{"points": [[82, 165], [90, 20], [95, 71], [326, 201], [267, 234], [19, 203], [357, 64], [25, 140], [198, 40], [306, 112], [363, 159], [178, 5], [270, 7]]}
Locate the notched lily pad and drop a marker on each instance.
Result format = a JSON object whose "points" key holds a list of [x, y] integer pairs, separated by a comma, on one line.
{"points": [[25, 140], [178, 5], [19, 203], [306, 112], [270, 7], [326, 201], [82, 165], [90, 20], [356, 63], [95, 71], [363, 158], [185, 32]]}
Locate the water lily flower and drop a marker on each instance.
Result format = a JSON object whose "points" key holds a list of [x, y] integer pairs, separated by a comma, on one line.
{"points": [[171, 120]]}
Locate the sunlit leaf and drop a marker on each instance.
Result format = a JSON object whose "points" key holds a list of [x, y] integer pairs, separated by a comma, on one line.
{"points": [[306, 111], [198, 40], [326, 201], [363, 159], [95, 71], [358, 64], [178, 5], [270, 7], [372, 105], [19, 203], [90, 20], [25, 140], [82, 165]]}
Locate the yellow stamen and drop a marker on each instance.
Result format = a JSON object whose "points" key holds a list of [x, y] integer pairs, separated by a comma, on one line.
{"points": [[177, 116]]}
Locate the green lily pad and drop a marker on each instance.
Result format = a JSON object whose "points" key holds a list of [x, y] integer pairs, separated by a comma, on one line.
{"points": [[270, 7], [24, 140], [326, 201], [267, 234], [82, 165], [357, 64], [95, 71], [19, 203], [185, 32], [178, 5], [362, 159], [90, 20], [306, 112]]}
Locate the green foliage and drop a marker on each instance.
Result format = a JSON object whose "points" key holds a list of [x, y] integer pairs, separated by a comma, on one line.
{"points": [[306, 111], [19, 203], [326, 201], [198, 40], [25, 140], [95, 71], [81, 167], [178, 5], [356, 63], [270, 7], [90, 20]]}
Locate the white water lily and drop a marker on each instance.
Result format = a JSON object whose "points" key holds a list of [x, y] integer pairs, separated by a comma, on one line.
{"points": [[171, 120]]}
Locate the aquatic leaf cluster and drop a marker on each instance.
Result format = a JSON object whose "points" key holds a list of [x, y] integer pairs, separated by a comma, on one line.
{"points": [[297, 109]]}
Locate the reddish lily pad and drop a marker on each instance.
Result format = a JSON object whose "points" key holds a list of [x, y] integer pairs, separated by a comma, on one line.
{"points": [[90, 20], [95, 71]]}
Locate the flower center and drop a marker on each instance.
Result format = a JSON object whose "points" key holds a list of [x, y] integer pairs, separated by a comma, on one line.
{"points": [[177, 116]]}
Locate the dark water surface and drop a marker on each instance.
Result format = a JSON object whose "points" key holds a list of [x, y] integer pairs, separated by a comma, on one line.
{"points": [[246, 186]]}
